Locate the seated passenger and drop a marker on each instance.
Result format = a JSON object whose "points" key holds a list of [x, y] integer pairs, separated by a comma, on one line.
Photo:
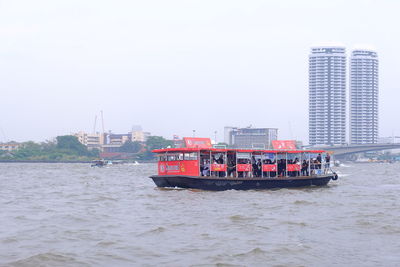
{"points": [[206, 168]]}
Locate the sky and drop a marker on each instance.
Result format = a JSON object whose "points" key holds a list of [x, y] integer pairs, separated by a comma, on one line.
{"points": [[177, 66]]}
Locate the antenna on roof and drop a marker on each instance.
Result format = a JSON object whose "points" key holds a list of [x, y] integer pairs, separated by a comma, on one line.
{"points": [[4, 135], [102, 120], [94, 126]]}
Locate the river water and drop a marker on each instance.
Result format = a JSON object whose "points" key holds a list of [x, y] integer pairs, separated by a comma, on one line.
{"points": [[75, 215]]}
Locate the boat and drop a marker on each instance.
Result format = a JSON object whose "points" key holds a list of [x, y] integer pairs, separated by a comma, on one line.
{"points": [[198, 165], [99, 163]]}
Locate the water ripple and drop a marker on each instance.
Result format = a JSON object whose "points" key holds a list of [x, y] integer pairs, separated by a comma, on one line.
{"points": [[74, 215]]}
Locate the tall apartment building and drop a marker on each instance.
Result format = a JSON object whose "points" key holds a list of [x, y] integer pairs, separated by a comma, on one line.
{"points": [[363, 97], [327, 95]]}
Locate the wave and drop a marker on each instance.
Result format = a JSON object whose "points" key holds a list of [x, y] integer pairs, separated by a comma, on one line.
{"points": [[47, 259], [303, 202], [254, 252], [241, 218], [153, 231], [294, 223]]}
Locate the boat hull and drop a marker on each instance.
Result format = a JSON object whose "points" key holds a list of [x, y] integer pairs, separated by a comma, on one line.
{"points": [[219, 184]]}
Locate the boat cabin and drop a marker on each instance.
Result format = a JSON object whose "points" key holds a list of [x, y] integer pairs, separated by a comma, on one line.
{"points": [[200, 159]]}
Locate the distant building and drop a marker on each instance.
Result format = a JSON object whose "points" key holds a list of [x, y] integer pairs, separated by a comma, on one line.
{"points": [[139, 136], [363, 97], [117, 139], [327, 95], [90, 140], [111, 147], [10, 146], [389, 140], [111, 142], [250, 137]]}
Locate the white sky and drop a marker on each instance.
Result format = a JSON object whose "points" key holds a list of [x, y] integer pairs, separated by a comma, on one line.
{"points": [[175, 66]]}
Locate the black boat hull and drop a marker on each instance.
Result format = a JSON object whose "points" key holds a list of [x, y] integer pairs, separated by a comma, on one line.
{"points": [[219, 184]]}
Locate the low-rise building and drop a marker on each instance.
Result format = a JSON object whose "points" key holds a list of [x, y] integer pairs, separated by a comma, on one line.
{"points": [[250, 137], [10, 146], [110, 142], [95, 140]]}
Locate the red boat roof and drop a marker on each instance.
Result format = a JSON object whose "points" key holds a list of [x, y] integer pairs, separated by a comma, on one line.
{"points": [[191, 149]]}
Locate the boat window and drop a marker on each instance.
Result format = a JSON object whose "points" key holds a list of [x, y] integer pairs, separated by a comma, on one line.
{"points": [[293, 158], [162, 158], [172, 157], [175, 157], [243, 158], [190, 156], [243, 155], [269, 158]]}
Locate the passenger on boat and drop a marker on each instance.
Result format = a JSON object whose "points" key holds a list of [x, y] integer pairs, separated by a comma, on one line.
{"points": [[244, 174], [317, 167], [319, 159], [206, 168], [231, 168], [297, 161], [281, 167], [273, 174], [259, 168], [312, 166], [254, 166], [327, 162], [304, 168], [220, 160]]}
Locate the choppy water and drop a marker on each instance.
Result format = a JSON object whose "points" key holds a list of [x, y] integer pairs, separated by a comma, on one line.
{"points": [[74, 215]]}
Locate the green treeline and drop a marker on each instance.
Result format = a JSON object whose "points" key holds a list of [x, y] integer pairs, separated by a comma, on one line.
{"points": [[64, 148], [68, 148]]}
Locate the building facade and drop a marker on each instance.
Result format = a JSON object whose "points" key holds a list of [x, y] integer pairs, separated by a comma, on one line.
{"points": [[363, 97], [10, 146], [327, 95], [250, 137], [110, 142], [95, 140]]}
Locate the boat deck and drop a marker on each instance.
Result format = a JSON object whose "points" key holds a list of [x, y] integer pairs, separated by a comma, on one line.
{"points": [[248, 178]]}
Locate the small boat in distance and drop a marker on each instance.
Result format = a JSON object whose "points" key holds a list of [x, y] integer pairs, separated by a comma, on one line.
{"points": [[99, 163], [200, 166]]}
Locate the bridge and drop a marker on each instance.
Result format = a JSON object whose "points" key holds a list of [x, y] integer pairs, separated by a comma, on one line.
{"points": [[346, 150]]}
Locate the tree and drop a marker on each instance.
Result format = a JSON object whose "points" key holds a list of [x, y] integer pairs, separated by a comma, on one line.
{"points": [[154, 142], [71, 143], [29, 149], [131, 147], [157, 142]]}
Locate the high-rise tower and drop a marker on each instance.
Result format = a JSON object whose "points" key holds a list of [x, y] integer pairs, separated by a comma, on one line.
{"points": [[363, 97], [327, 95]]}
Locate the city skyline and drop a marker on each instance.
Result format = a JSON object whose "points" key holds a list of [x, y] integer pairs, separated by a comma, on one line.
{"points": [[328, 96], [174, 67]]}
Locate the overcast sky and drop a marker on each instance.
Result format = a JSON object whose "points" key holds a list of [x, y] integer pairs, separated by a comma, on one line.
{"points": [[175, 66]]}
